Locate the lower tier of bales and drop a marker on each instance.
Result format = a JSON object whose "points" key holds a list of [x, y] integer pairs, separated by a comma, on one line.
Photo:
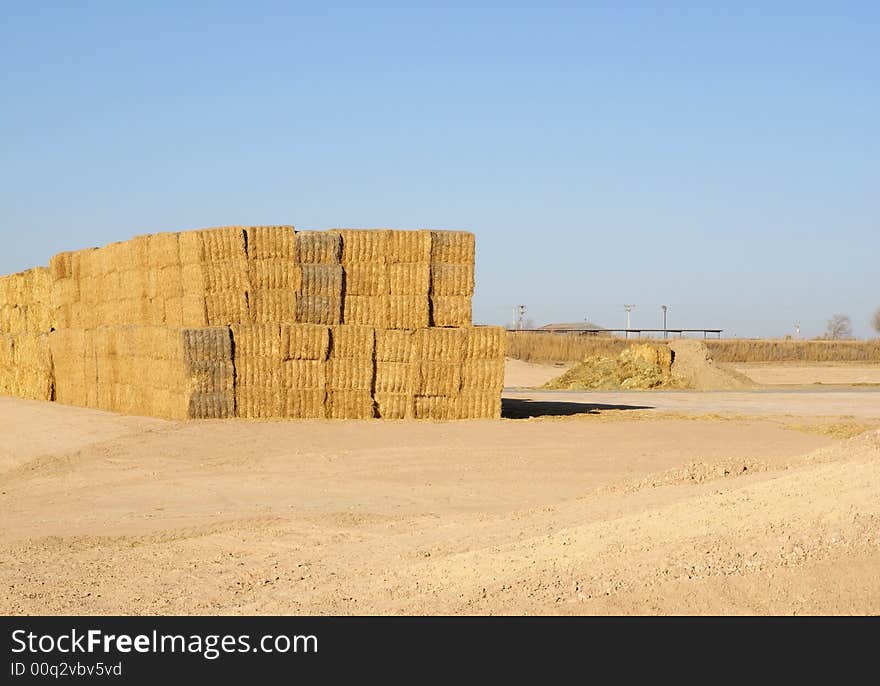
{"points": [[263, 371]]}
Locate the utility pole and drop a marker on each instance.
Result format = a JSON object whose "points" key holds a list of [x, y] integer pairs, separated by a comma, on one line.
{"points": [[629, 309], [664, 320], [519, 317]]}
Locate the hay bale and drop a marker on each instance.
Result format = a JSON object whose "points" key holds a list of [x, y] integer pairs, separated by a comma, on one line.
{"points": [[452, 279], [406, 247], [349, 342], [350, 404], [305, 342], [483, 375], [440, 345], [162, 250], [257, 341], [478, 405], [266, 306], [317, 247], [484, 343], [450, 311], [435, 408], [271, 242], [321, 279], [439, 378], [366, 310], [364, 246], [304, 404], [211, 405], [227, 307], [226, 275], [395, 405], [218, 245], [193, 311], [453, 247], [408, 312], [350, 374], [318, 309], [304, 375], [366, 279], [259, 402], [397, 377], [61, 266], [207, 344], [412, 278], [274, 273], [397, 345]]}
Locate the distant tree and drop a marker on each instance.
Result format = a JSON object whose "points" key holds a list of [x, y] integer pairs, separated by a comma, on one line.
{"points": [[876, 321], [839, 326]]}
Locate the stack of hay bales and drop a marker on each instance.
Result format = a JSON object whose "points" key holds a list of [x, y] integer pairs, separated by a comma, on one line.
{"points": [[257, 322], [25, 321]]}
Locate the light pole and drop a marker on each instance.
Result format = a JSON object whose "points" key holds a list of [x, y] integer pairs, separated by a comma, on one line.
{"points": [[629, 309], [664, 320]]}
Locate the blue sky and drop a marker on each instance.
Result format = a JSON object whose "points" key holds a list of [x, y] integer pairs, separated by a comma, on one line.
{"points": [[720, 158]]}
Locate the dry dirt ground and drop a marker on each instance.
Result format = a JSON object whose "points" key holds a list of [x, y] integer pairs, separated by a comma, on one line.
{"points": [[583, 509], [802, 374]]}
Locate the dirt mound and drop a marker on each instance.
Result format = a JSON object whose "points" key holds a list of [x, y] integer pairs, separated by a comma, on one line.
{"points": [[693, 368], [680, 364]]}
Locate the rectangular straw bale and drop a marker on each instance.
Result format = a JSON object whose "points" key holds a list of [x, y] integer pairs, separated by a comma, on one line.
{"points": [[277, 305], [364, 246], [397, 345], [451, 311], [192, 279], [321, 279], [84, 263], [397, 377], [439, 378], [350, 374], [227, 307], [318, 247], [440, 345], [409, 246], [210, 377], [163, 250], [347, 341], [366, 310], [366, 279], [478, 405], [484, 342], [452, 279], [409, 278], [304, 374], [318, 309], [224, 275], [350, 404], [305, 342], [255, 402], [484, 375], [193, 311], [257, 341], [65, 291], [408, 312], [224, 243], [304, 404], [170, 282], [395, 405], [61, 266], [435, 407], [259, 371], [213, 344], [271, 242], [274, 273], [191, 248], [453, 247], [219, 405]]}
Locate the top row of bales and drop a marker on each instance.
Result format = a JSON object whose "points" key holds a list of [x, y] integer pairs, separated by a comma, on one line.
{"points": [[25, 302], [240, 275]]}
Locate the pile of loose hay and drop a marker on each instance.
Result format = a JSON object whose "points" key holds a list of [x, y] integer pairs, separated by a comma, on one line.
{"points": [[637, 367]]}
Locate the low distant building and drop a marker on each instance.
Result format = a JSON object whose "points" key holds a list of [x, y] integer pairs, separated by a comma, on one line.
{"points": [[575, 327]]}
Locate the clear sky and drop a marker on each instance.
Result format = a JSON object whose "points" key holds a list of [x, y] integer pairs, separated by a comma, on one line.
{"points": [[719, 158]]}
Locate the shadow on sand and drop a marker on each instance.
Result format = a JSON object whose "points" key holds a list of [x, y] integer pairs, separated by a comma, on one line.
{"points": [[526, 409]]}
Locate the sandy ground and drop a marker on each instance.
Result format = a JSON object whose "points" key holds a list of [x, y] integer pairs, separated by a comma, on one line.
{"points": [[791, 374], [604, 511], [519, 374]]}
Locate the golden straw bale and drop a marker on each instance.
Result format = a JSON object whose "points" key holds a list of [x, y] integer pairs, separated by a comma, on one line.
{"points": [[213, 343], [304, 404], [411, 278], [439, 378], [347, 341], [61, 266], [191, 248], [271, 242], [321, 279], [452, 279], [222, 244], [277, 305], [366, 310], [258, 371], [219, 405], [274, 273], [226, 275], [408, 312], [257, 341], [409, 246], [317, 247], [163, 250], [350, 404], [395, 405], [478, 405], [349, 374], [453, 247], [484, 343], [227, 307], [397, 377], [364, 246], [366, 279], [304, 374], [305, 342], [440, 345], [484, 375], [435, 407], [193, 311], [450, 311], [318, 309], [397, 345]]}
